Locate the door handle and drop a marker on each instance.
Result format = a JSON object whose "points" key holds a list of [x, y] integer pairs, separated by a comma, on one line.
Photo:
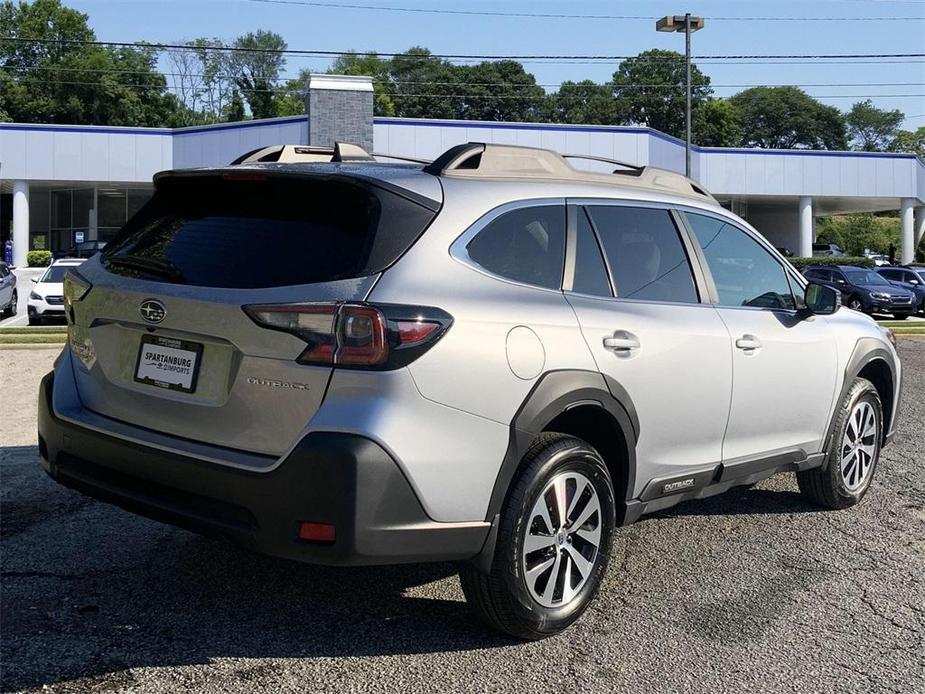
{"points": [[621, 341], [748, 343]]}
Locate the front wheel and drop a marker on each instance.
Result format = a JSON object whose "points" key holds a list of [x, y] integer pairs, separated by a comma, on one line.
{"points": [[553, 544], [900, 316], [855, 304], [853, 452]]}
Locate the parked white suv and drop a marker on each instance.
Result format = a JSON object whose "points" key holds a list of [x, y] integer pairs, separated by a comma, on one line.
{"points": [[46, 300], [494, 358]]}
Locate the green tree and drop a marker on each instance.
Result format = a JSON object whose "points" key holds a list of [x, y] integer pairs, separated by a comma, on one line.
{"points": [[651, 86], [910, 141], [65, 82], [499, 91], [856, 233], [788, 118], [256, 67], [717, 123], [872, 129], [583, 102], [424, 86], [234, 110], [373, 66]]}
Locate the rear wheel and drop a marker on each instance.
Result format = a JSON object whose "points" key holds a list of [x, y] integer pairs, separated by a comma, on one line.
{"points": [[853, 451], [553, 542]]}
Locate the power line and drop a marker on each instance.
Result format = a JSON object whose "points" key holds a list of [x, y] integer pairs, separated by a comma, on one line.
{"points": [[454, 95], [550, 15], [477, 84], [460, 56]]}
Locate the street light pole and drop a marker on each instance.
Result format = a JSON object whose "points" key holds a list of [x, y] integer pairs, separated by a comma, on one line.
{"points": [[687, 61], [688, 25]]}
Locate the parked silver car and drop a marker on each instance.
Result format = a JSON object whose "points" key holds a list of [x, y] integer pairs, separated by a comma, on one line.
{"points": [[494, 358]]}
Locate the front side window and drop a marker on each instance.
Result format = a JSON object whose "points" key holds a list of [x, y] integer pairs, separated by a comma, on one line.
{"points": [[524, 245], [645, 254], [744, 272]]}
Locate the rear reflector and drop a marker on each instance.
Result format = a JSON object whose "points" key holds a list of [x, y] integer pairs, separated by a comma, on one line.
{"points": [[316, 532]]}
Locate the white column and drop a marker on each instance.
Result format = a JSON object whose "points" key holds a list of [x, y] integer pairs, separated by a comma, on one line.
{"points": [[918, 224], [907, 252], [806, 227], [20, 222]]}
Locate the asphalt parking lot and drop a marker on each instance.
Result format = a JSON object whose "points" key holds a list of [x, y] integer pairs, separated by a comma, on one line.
{"points": [[751, 591]]}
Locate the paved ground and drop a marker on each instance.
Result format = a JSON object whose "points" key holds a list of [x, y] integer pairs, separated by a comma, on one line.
{"points": [[752, 591]]}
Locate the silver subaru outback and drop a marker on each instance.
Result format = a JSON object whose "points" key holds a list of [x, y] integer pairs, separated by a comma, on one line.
{"points": [[495, 358]]}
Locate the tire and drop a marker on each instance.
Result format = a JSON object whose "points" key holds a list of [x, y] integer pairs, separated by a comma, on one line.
{"points": [[900, 316], [508, 598], [856, 304], [14, 305], [839, 483], [34, 320]]}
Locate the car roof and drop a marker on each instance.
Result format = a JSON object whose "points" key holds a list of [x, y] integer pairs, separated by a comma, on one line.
{"points": [[68, 261]]}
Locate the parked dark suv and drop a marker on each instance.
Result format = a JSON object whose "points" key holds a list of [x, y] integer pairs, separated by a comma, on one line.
{"points": [[910, 279], [864, 290]]}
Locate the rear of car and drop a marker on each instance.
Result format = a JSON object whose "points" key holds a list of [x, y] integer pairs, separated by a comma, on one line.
{"points": [[203, 341]]}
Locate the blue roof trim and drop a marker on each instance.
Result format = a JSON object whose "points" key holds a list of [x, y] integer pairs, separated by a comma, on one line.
{"points": [[262, 123], [97, 129], [638, 130]]}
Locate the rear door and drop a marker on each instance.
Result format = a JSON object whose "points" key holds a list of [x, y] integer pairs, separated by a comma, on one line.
{"points": [[784, 364], [651, 335], [173, 349]]}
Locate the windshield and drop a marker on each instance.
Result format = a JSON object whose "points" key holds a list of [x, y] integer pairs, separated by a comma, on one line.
{"points": [[55, 274], [210, 231], [864, 277]]}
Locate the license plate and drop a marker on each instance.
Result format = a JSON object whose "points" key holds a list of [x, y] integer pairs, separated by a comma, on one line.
{"points": [[168, 363]]}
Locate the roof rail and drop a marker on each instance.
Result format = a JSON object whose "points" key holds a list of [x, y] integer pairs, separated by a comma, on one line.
{"points": [[491, 161], [617, 162], [293, 154]]}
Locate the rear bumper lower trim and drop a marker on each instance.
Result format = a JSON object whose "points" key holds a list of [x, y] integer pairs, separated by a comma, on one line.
{"points": [[342, 479]]}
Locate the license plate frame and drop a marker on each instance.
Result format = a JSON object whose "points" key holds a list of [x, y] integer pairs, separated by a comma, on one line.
{"points": [[194, 348]]}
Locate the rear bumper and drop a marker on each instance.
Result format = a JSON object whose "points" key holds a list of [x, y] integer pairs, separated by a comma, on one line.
{"points": [[341, 479]]}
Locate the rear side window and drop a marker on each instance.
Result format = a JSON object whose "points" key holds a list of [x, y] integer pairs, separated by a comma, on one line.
{"points": [[265, 232], [525, 245], [645, 254], [745, 273], [590, 271]]}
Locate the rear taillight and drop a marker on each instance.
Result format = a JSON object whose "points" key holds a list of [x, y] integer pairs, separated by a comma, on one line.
{"points": [[355, 335]]}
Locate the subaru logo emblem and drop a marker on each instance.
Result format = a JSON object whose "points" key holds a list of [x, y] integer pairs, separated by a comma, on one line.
{"points": [[153, 310]]}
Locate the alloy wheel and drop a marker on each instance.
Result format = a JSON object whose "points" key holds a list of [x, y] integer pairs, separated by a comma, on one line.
{"points": [[859, 445], [563, 539]]}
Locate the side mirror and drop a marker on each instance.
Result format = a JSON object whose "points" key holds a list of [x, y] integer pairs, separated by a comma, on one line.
{"points": [[822, 300]]}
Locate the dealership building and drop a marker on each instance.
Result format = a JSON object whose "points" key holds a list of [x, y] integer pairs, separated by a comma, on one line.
{"points": [[61, 184]]}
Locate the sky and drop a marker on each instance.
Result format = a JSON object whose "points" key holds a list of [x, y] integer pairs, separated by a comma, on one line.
{"points": [[897, 84]]}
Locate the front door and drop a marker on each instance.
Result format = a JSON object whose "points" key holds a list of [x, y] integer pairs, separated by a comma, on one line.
{"points": [[784, 363]]}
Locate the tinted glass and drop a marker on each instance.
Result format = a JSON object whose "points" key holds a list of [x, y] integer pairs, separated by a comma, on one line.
{"points": [[861, 276], [272, 232], [889, 274], [645, 254], [590, 272], [525, 245], [744, 272], [56, 273]]}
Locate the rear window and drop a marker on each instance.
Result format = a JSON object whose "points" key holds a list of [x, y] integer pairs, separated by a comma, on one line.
{"points": [[265, 232]]}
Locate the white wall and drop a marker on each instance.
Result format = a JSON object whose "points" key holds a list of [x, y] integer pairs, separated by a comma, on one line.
{"points": [[218, 145], [83, 153]]}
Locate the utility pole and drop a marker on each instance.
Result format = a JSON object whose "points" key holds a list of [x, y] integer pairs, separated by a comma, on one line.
{"points": [[688, 25]]}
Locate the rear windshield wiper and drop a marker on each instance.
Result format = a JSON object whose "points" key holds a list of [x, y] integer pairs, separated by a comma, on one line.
{"points": [[160, 268]]}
